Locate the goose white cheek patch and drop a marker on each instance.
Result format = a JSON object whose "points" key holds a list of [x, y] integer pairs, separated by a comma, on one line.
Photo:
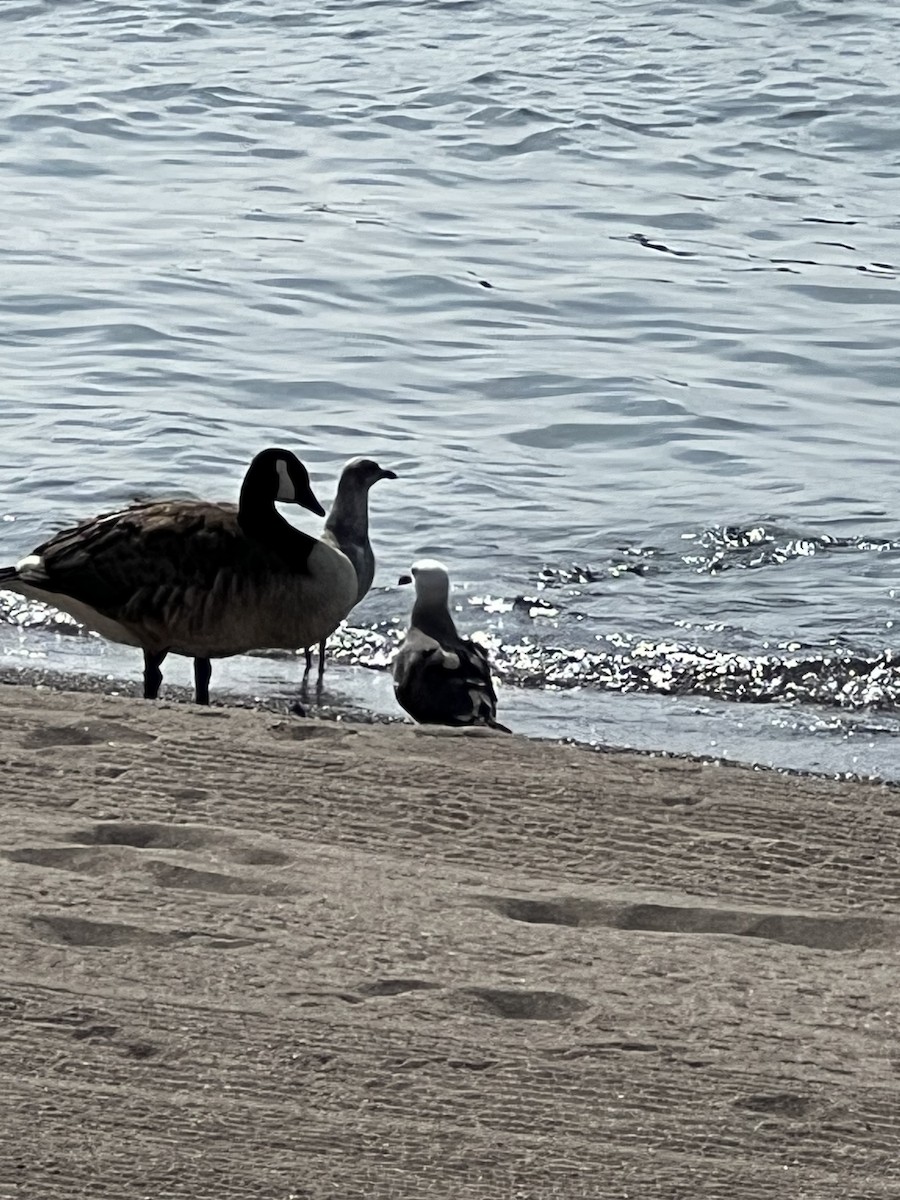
{"points": [[287, 493], [30, 562]]}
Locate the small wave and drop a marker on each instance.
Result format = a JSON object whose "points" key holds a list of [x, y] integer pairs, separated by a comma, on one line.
{"points": [[729, 547], [833, 677], [716, 549]]}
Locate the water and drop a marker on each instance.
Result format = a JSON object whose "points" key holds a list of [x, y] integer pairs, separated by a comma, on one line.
{"points": [[613, 287]]}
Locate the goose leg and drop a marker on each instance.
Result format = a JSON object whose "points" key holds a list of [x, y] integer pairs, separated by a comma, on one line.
{"points": [[202, 673], [308, 662], [152, 673], [321, 661]]}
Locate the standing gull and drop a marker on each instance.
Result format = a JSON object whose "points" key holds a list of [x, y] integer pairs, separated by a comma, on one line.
{"points": [[347, 528], [439, 677], [197, 578]]}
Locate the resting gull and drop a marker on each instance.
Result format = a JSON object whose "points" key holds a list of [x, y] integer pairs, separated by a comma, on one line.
{"points": [[439, 677]]}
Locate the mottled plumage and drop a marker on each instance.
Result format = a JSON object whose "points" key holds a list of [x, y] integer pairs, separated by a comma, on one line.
{"points": [[197, 578], [439, 677], [347, 528]]}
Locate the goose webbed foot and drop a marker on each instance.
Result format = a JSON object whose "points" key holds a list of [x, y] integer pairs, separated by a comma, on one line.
{"points": [[202, 674], [152, 673]]}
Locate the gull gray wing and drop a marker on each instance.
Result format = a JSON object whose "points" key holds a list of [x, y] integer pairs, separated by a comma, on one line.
{"points": [[444, 684]]}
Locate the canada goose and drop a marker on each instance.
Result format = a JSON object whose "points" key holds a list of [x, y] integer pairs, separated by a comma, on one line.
{"points": [[347, 528], [439, 677], [197, 578]]}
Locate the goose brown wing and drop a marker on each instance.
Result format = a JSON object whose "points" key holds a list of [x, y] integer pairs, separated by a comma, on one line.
{"points": [[150, 551]]}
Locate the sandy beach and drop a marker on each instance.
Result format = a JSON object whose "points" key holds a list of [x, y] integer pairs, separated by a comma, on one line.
{"points": [[251, 955]]}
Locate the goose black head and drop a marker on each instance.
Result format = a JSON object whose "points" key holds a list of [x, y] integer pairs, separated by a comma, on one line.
{"points": [[280, 475], [363, 472]]}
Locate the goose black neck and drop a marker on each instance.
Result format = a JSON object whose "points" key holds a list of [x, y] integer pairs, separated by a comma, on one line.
{"points": [[262, 523], [256, 507]]}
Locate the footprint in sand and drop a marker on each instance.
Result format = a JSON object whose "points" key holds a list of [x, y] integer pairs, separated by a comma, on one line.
{"points": [[149, 835], [108, 847], [793, 929], [515, 1005], [94, 733], [76, 931]]}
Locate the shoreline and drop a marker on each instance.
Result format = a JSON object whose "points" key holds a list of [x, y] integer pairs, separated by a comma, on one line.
{"points": [[92, 684], [247, 954]]}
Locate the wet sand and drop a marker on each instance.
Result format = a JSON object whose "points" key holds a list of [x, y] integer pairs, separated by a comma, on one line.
{"points": [[250, 955]]}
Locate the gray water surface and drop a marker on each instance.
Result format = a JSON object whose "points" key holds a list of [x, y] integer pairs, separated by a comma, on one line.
{"points": [[613, 287]]}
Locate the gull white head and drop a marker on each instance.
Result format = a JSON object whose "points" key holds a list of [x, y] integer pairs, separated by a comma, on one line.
{"points": [[432, 581], [363, 472], [349, 515]]}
